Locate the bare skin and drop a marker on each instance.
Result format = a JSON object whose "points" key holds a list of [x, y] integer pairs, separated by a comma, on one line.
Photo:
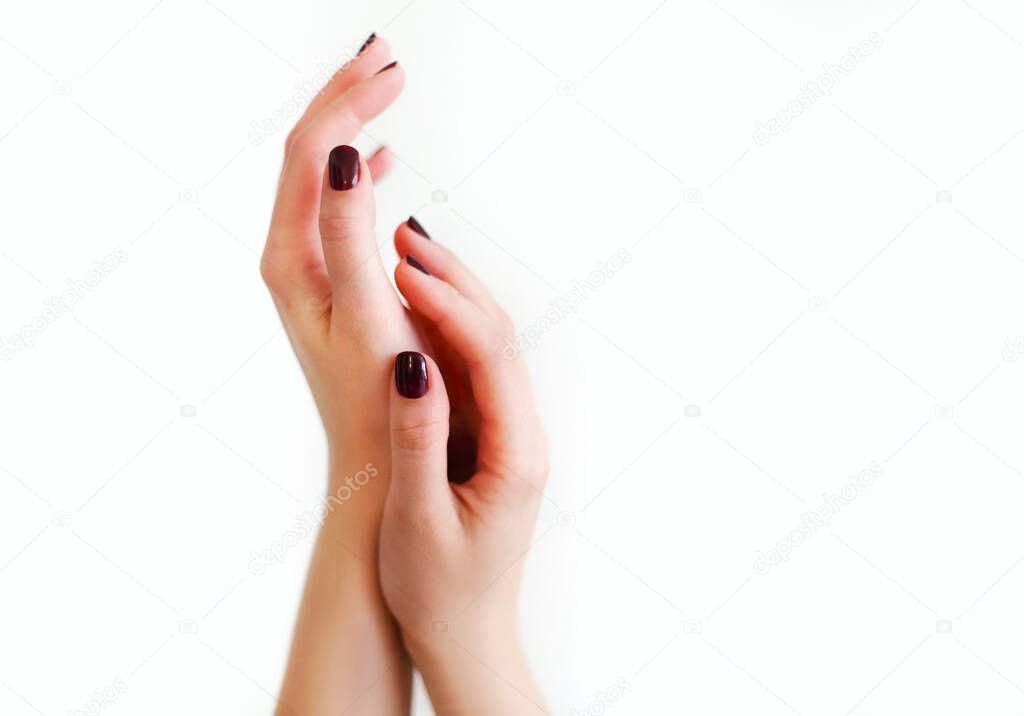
{"points": [[408, 550], [451, 554], [345, 323]]}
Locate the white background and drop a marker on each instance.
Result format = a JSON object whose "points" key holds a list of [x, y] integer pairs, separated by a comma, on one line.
{"points": [[126, 529]]}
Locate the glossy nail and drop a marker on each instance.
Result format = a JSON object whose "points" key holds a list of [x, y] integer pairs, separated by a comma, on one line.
{"points": [[411, 260], [386, 67], [411, 374], [417, 227], [369, 40], [343, 167]]}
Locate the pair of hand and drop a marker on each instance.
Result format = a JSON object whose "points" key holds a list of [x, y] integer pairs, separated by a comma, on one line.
{"points": [[425, 395]]}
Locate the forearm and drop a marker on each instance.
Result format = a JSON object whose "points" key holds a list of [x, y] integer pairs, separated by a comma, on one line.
{"points": [[346, 652]]}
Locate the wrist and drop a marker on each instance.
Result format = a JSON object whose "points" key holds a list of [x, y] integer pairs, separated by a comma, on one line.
{"points": [[349, 478], [464, 669], [438, 643], [351, 508]]}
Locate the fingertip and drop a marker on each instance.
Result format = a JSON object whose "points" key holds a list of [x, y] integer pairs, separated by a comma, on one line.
{"points": [[374, 53], [411, 238], [366, 43], [412, 282], [390, 75], [344, 168], [347, 173], [346, 226], [418, 382], [416, 226], [411, 375], [419, 419], [414, 262]]}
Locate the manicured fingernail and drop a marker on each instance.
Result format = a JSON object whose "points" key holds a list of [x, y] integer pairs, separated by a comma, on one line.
{"points": [[416, 264], [343, 167], [386, 67], [370, 39], [411, 374], [417, 227]]}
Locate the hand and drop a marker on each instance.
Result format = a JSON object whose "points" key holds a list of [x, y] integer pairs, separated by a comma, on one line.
{"points": [[451, 554], [322, 267], [345, 323]]}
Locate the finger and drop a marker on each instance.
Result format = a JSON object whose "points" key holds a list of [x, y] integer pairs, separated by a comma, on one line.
{"points": [[339, 123], [411, 239], [374, 54], [346, 225], [293, 245], [509, 434], [380, 163], [419, 437]]}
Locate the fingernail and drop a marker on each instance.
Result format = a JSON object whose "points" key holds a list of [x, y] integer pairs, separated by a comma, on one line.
{"points": [[343, 167], [371, 38], [386, 67], [411, 374], [416, 264], [417, 227]]}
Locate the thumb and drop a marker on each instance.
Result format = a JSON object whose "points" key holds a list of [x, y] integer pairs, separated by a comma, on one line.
{"points": [[347, 233], [419, 436]]}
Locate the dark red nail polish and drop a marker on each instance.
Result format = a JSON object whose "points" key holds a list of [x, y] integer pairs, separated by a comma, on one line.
{"points": [[411, 374], [369, 41], [416, 264], [386, 67], [417, 227], [343, 167]]}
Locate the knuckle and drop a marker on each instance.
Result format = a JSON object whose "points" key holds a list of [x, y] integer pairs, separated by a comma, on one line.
{"points": [[305, 144], [336, 226], [273, 278], [289, 141], [421, 434], [289, 281], [344, 116], [526, 481]]}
